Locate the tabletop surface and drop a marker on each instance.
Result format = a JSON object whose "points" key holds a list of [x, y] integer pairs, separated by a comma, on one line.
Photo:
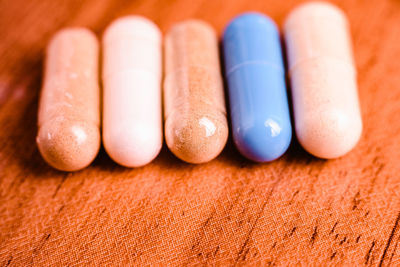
{"points": [[295, 210]]}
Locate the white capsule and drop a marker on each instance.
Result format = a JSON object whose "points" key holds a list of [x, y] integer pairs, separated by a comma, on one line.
{"points": [[132, 122]]}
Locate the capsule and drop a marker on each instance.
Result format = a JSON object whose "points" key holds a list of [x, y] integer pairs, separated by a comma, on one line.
{"points": [[132, 120], [69, 114], [255, 74], [323, 78], [196, 128]]}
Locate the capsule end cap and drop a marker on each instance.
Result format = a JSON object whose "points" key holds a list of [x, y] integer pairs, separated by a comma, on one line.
{"points": [[329, 135], [132, 146], [67, 145], [264, 142], [197, 139]]}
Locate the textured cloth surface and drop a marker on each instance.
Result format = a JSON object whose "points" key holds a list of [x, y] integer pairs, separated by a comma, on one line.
{"points": [[296, 210]]}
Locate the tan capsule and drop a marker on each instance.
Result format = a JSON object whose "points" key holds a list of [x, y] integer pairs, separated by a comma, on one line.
{"points": [[69, 114], [323, 78], [196, 128]]}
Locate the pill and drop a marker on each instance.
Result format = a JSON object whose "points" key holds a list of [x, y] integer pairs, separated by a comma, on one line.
{"points": [[132, 112], [323, 79], [69, 112], [196, 128], [255, 74]]}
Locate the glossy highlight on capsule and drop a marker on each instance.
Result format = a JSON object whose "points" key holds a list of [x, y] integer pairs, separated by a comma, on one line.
{"points": [[255, 75]]}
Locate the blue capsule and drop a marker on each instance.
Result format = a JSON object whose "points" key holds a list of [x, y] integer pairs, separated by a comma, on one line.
{"points": [[255, 74]]}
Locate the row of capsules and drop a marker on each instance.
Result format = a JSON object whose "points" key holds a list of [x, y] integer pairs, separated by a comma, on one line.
{"points": [[321, 69]]}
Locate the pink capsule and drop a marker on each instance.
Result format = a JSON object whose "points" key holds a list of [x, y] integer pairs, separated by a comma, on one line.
{"points": [[323, 79]]}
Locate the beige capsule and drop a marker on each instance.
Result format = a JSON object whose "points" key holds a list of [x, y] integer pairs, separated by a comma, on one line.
{"points": [[196, 128], [69, 114]]}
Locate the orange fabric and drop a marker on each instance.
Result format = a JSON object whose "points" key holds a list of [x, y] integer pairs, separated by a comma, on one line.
{"points": [[296, 210]]}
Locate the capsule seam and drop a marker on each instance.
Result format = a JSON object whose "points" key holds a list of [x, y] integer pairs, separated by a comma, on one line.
{"points": [[255, 62], [345, 63], [136, 69], [210, 69]]}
